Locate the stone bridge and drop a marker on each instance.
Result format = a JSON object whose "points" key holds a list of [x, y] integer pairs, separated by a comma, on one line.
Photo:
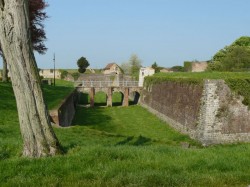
{"points": [[128, 89]]}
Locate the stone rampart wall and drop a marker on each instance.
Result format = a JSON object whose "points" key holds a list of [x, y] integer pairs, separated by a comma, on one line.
{"points": [[210, 113]]}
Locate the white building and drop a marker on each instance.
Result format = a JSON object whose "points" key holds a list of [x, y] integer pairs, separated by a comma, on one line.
{"points": [[147, 71], [49, 73]]}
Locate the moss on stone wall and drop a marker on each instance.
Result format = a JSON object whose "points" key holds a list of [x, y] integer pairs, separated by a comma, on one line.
{"points": [[238, 82], [241, 87]]}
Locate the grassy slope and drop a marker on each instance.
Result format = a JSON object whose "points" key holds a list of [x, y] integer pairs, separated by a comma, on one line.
{"points": [[118, 147], [53, 95]]}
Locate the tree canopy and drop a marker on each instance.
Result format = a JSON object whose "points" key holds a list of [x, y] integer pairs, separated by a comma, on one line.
{"points": [[82, 64], [132, 67], [156, 67], [36, 16], [235, 57], [135, 65]]}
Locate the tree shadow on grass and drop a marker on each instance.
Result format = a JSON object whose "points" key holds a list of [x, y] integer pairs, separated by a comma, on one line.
{"points": [[117, 104], [94, 118], [83, 98], [140, 141], [98, 104]]}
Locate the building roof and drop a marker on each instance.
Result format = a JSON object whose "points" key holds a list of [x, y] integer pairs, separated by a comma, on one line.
{"points": [[110, 65]]}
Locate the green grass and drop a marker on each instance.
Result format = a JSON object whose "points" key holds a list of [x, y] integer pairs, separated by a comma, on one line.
{"points": [[118, 146], [100, 99], [53, 94]]}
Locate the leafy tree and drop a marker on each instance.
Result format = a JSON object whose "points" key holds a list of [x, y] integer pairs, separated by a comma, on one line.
{"points": [[135, 65], [177, 69], [82, 64], [64, 74], [38, 36], [125, 68], [242, 41], [232, 58], [187, 66], [238, 59], [38, 136], [37, 16], [75, 75], [156, 67]]}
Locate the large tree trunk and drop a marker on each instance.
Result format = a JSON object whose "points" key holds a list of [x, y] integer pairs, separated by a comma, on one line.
{"points": [[38, 136], [5, 70]]}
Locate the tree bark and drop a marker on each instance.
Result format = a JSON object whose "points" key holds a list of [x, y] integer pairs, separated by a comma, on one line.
{"points": [[5, 71], [38, 136]]}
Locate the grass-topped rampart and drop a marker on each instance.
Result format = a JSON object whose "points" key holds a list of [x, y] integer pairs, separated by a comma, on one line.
{"points": [[238, 82]]}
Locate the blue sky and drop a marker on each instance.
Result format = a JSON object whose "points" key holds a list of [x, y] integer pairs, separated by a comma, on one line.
{"points": [[166, 31]]}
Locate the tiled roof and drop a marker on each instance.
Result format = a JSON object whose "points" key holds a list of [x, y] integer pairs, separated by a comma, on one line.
{"points": [[109, 65]]}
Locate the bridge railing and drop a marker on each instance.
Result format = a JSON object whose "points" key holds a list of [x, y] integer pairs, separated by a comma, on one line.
{"points": [[105, 84]]}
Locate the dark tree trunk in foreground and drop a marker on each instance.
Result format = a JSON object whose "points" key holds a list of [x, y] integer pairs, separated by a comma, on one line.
{"points": [[37, 133], [5, 71]]}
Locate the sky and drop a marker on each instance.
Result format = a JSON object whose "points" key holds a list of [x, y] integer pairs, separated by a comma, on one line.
{"points": [[167, 32]]}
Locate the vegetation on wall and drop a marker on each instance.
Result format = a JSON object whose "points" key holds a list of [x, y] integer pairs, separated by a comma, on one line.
{"points": [[241, 87], [239, 82]]}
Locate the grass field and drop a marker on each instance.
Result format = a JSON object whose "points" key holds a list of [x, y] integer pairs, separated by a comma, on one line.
{"points": [[117, 146]]}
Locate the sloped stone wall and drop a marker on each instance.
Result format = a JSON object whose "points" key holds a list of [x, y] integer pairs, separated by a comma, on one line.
{"points": [[210, 113], [178, 101], [223, 117], [64, 114]]}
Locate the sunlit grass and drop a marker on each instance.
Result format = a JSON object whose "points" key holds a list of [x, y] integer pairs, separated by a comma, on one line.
{"points": [[53, 94], [118, 146]]}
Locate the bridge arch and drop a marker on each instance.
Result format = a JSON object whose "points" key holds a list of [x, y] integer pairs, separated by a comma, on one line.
{"points": [[100, 98], [117, 98], [83, 98], [134, 96], [125, 88]]}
